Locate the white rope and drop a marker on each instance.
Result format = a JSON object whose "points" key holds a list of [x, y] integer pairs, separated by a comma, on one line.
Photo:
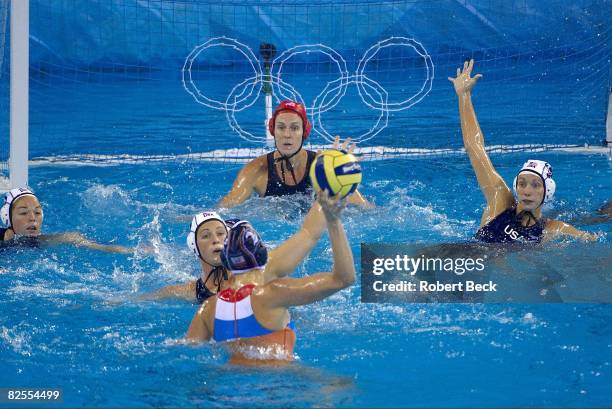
{"points": [[243, 155]]}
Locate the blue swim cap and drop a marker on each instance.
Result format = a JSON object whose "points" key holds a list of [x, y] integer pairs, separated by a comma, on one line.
{"points": [[232, 222], [243, 249]]}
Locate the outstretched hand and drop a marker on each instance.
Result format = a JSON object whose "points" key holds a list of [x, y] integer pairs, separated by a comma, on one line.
{"points": [[342, 147], [464, 83], [332, 207]]}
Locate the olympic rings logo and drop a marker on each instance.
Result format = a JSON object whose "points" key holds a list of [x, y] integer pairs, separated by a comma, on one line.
{"points": [[247, 92]]}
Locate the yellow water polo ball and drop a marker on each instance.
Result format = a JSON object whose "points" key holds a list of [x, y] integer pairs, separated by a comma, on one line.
{"points": [[335, 171]]}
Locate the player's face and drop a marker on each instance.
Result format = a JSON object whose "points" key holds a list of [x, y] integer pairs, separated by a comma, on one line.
{"points": [[529, 190], [288, 131], [27, 216], [210, 238]]}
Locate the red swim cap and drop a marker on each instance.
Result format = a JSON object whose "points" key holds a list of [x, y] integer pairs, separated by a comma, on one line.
{"points": [[293, 106]]}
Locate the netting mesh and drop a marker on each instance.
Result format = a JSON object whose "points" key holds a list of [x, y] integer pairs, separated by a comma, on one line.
{"points": [[186, 79]]}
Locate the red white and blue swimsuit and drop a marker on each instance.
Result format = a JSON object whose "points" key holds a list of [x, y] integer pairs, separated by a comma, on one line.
{"points": [[234, 316]]}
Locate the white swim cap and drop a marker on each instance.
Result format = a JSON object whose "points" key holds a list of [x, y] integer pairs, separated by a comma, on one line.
{"points": [[544, 171], [9, 199], [197, 221]]}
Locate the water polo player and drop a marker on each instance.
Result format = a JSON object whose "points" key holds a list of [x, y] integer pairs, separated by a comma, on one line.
{"points": [[22, 215], [507, 218], [251, 314], [284, 171], [205, 239]]}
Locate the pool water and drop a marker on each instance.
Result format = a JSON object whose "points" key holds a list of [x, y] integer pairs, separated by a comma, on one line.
{"points": [[70, 318]]}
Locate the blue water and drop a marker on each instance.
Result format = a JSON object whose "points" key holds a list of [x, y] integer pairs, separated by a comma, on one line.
{"points": [[105, 79], [70, 319]]}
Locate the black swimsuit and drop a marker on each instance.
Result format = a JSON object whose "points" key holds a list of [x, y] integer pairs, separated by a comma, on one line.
{"points": [[507, 227], [25, 241], [276, 187], [202, 293]]}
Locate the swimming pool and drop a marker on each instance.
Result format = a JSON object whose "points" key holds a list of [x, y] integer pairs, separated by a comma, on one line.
{"points": [[70, 318]]}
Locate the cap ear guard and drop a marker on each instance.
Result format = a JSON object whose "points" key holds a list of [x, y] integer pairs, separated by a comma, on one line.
{"points": [[551, 187], [545, 172], [9, 199], [191, 243], [196, 222], [4, 214]]}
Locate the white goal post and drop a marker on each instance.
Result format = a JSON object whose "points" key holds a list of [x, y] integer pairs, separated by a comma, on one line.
{"points": [[19, 91]]}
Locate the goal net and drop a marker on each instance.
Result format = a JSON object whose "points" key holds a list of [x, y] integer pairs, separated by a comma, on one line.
{"points": [[161, 80]]}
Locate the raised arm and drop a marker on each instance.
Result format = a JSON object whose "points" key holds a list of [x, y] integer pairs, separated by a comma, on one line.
{"points": [[496, 192], [244, 185], [285, 292], [285, 258]]}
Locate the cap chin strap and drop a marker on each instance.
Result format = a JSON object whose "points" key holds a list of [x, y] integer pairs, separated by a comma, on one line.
{"points": [[203, 259], [530, 217], [285, 159], [218, 273]]}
